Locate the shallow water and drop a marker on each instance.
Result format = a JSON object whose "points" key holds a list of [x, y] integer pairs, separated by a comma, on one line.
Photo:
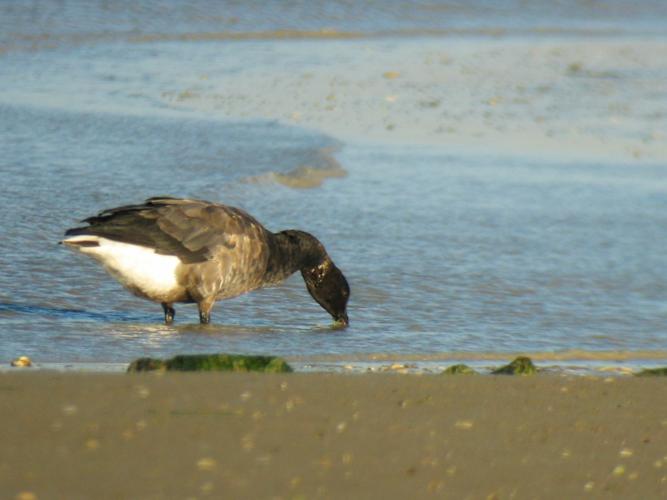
{"points": [[446, 252], [49, 22]]}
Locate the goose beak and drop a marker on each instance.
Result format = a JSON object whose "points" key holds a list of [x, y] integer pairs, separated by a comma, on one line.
{"points": [[341, 321]]}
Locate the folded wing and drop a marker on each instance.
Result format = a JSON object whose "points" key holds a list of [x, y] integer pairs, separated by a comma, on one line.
{"points": [[193, 230]]}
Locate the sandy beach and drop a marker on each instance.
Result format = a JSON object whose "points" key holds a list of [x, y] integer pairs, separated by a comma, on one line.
{"points": [[564, 98], [491, 181], [330, 436]]}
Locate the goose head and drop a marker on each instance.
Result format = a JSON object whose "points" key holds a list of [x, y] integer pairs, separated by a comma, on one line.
{"points": [[328, 286]]}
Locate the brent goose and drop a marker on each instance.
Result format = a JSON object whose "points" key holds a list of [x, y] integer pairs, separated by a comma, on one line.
{"points": [[180, 250]]}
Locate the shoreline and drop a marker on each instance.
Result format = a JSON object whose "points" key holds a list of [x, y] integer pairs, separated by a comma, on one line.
{"points": [[330, 436], [569, 363]]}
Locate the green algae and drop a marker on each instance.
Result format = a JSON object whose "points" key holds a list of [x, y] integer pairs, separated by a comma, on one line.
{"points": [[460, 369], [520, 366], [212, 362], [652, 372]]}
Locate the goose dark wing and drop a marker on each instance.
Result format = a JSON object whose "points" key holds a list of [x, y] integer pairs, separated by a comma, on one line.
{"points": [[193, 230]]}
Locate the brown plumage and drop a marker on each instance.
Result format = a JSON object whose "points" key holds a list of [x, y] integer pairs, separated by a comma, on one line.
{"points": [[180, 250]]}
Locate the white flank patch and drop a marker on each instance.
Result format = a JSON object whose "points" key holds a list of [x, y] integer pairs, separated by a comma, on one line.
{"points": [[136, 267]]}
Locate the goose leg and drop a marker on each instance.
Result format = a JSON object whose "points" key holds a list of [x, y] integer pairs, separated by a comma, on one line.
{"points": [[169, 313], [205, 307]]}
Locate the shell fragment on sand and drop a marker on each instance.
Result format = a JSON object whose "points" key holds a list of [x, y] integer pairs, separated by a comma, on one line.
{"points": [[22, 362]]}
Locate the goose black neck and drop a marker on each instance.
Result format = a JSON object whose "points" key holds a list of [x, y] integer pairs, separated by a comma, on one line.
{"points": [[293, 251]]}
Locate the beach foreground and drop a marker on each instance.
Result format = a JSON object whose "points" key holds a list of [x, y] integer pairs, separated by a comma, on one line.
{"points": [[69, 435]]}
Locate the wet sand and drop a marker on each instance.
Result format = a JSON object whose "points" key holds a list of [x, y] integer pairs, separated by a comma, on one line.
{"points": [[330, 436], [573, 98]]}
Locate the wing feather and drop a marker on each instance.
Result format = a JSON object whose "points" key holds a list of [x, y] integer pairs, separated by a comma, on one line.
{"points": [[193, 230]]}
